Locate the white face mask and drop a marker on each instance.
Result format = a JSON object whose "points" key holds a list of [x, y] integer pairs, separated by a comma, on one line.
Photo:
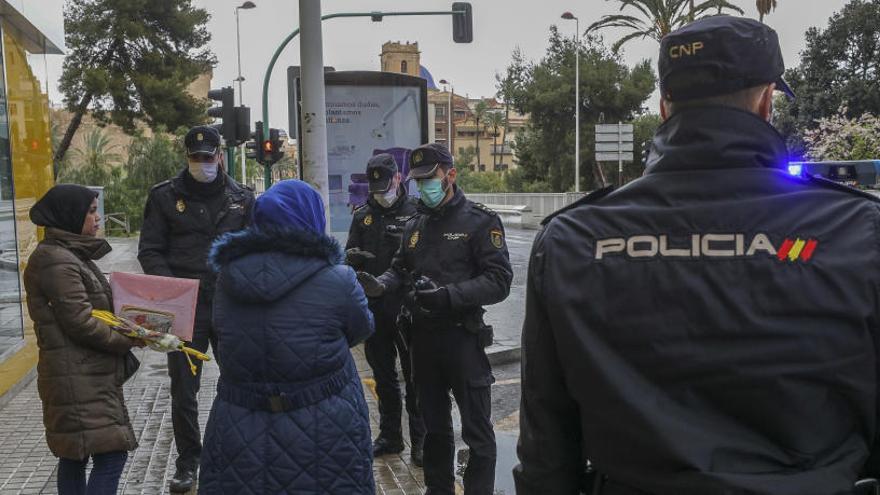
{"points": [[203, 172], [386, 199]]}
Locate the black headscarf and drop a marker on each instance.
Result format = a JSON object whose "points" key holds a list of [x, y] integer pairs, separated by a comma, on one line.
{"points": [[64, 207]]}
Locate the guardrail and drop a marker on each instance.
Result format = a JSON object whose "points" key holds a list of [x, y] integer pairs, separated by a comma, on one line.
{"points": [[540, 204]]}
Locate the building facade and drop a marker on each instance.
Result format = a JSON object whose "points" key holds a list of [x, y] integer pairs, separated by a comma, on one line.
{"points": [[454, 123], [25, 166]]}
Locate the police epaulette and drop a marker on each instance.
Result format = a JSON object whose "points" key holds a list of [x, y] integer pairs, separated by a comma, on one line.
{"points": [[589, 198], [830, 184], [359, 208], [163, 183], [485, 209]]}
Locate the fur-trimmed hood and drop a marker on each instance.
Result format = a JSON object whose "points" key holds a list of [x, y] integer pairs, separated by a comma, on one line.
{"points": [[264, 264]]}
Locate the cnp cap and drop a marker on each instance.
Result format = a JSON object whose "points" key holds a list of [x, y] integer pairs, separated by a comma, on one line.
{"points": [[425, 159], [202, 140], [380, 172], [720, 55]]}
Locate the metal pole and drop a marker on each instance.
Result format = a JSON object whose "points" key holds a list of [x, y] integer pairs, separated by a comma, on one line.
{"points": [[619, 154], [240, 95], [577, 107], [449, 120], [314, 111]]}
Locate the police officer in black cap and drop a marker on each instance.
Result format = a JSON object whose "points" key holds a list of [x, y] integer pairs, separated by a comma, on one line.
{"points": [[182, 218], [374, 237], [710, 328], [452, 261]]}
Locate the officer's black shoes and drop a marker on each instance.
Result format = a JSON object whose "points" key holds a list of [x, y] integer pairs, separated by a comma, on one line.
{"points": [[417, 454], [383, 446], [183, 480]]}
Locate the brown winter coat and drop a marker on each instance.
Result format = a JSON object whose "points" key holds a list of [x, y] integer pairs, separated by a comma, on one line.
{"points": [[81, 367]]}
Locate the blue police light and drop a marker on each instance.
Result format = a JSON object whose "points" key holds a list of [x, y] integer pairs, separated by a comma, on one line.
{"points": [[795, 168]]}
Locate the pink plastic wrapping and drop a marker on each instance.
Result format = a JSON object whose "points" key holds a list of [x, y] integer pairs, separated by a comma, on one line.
{"points": [[173, 295]]}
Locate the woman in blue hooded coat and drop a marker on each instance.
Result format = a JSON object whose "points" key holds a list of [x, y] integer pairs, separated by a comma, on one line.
{"points": [[290, 414]]}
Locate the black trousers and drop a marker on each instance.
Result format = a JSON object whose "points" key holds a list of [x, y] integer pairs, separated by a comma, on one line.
{"points": [[184, 406], [381, 350], [449, 359]]}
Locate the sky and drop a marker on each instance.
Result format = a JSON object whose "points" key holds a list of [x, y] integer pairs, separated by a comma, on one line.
{"points": [[499, 27]]}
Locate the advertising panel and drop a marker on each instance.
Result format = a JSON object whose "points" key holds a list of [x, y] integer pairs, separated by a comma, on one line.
{"points": [[368, 113]]}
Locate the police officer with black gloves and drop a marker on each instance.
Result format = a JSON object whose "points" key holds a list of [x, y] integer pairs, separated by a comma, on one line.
{"points": [[710, 328], [182, 218], [452, 262], [373, 238]]}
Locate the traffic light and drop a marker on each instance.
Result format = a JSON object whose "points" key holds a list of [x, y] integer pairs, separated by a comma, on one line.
{"points": [[271, 148], [242, 125], [463, 23], [255, 147], [225, 112]]}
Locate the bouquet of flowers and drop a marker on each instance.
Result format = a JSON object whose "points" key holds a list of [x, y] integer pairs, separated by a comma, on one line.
{"points": [[157, 340]]}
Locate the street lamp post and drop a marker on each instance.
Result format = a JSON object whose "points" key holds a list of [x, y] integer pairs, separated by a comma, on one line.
{"points": [[240, 79], [577, 101], [449, 116]]}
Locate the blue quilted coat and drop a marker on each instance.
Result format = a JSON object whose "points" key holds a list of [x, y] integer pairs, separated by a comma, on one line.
{"points": [[290, 414]]}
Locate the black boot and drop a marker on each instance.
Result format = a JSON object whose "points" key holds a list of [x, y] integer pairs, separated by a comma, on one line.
{"points": [[183, 480], [385, 446]]}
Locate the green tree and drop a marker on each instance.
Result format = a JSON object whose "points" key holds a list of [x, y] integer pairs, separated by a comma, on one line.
{"points": [[92, 164], [840, 67], [465, 158], [132, 60], [656, 18], [480, 110], [496, 121], [510, 83], [544, 149], [480, 182]]}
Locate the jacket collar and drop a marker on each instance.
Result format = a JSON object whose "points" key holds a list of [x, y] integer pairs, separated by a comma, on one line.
{"points": [[234, 245], [716, 138], [85, 247], [179, 184]]}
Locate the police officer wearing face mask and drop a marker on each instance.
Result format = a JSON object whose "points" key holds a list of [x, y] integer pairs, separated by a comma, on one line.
{"points": [[712, 327], [373, 238], [182, 218], [452, 261]]}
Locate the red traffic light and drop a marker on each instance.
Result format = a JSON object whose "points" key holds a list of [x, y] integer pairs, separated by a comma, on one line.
{"points": [[267, 146]]}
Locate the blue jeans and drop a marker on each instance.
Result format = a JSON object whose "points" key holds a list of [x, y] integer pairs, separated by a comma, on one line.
{"points": [[104, 478]]}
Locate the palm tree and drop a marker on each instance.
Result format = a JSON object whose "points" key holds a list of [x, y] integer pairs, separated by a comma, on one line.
{"points": [[764, 8], [657, 18], [495, 120], [480, 110], [93, 162]]}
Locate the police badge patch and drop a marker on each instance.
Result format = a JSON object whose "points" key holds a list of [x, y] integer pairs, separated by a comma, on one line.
{"points": [[414, 239], [497, 238], [368, 220], [181, 206]]}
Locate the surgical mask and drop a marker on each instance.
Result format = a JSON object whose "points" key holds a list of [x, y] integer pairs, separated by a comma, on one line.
{"points": [[386, 199], [203, 172], [432, 192]]}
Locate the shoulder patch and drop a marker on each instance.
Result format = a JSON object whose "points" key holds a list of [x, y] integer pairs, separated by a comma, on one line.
{"points": [[588, 199], [485, 209], [830, 184], [161, 184]]}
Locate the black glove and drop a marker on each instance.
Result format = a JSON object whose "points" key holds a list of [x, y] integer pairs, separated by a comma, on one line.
{"points": [[372, 286], [356, 258], [434, 299]]}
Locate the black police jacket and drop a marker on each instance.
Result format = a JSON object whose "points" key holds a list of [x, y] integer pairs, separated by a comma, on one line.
{"points": [[459, 245], [379, 231], [710, 328], [179, 229]]}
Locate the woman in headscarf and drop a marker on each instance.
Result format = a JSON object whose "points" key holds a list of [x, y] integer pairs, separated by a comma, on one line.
{"points": [[290, 414], [82, 361]]}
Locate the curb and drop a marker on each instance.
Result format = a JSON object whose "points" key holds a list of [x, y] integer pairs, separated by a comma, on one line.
{"points": [[504, 356]]}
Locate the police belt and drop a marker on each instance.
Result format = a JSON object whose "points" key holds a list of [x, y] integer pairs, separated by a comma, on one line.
{"points": [[300, 395]]}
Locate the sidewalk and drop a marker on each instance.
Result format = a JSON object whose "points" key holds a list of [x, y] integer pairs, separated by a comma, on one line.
{"points": [[27, 466]]}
